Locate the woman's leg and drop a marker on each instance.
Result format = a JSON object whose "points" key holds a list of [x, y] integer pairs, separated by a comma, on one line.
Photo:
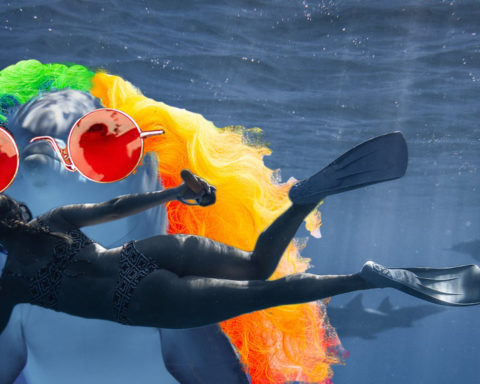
{"points": [[376, 160], [187, 255], [166, 300]]}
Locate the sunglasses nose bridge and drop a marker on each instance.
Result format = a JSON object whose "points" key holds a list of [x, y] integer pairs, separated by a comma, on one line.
{"points": [[62, 152]]}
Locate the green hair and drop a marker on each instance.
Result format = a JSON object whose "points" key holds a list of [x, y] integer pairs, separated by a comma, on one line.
{"points": [[26, 79]]}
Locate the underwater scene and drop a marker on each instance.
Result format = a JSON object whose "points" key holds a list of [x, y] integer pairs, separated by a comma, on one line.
{"points": [[286, 86]]}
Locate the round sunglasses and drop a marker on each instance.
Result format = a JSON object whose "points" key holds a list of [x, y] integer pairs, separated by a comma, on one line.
{"points": [[105, 145]]}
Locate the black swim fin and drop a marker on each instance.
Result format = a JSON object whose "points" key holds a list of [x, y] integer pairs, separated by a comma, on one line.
{"points": [[455, 286], [379, 159]]}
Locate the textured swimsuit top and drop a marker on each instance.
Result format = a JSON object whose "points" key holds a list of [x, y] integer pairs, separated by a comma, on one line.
{"points": [[46, 283]]}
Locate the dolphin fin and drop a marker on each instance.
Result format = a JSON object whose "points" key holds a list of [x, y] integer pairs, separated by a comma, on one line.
{"points": [[385, 306], [356, 303]]}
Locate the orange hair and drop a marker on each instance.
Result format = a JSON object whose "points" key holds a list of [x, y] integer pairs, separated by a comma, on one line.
{"points": [[289, 343]]}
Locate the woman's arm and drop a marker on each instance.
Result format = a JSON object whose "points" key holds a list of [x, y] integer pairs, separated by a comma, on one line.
{"points": [[82, 215]]}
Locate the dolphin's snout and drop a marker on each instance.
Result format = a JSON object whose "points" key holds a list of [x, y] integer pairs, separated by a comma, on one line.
{"points": [[39, 161], [43, 148]]}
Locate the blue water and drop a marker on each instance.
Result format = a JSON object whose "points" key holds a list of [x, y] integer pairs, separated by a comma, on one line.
{"points": [[319, 77]]}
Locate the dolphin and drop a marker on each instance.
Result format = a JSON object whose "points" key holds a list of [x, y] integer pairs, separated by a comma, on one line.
{"points": [[356, 320], [64, 348]]}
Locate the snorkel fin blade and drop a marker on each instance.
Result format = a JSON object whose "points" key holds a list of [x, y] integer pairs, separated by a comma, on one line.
{"points": [[453, 286], [379, 159]]}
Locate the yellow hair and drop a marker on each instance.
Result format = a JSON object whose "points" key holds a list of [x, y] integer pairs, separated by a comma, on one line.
{"points": [[275, 345]]}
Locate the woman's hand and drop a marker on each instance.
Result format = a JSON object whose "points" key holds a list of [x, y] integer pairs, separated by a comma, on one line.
{"points": [[195, 188]]}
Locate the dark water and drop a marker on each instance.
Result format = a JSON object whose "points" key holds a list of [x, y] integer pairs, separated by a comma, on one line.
{"points": [[319, 77]]}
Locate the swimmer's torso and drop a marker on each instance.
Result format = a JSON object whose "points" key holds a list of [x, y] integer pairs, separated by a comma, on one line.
{"points": [[110, 352], [77, 277]]}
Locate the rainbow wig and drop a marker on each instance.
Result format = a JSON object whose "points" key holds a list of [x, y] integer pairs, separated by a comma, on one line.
{"points": [[282, 344]]}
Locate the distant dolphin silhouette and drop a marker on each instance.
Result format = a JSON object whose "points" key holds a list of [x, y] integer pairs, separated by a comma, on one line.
{"points": [[355, 320], [471, 248]]}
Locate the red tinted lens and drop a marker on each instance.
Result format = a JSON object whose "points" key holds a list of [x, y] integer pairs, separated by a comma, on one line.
{"points": [[9, 159], [105, 145]]}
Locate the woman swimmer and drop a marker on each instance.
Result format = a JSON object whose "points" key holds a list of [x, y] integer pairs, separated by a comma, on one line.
{"points": [[183, 281]]}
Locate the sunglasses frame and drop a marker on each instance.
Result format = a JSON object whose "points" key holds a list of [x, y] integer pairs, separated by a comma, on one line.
{"points": [[69, 163], [10, 136]]}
